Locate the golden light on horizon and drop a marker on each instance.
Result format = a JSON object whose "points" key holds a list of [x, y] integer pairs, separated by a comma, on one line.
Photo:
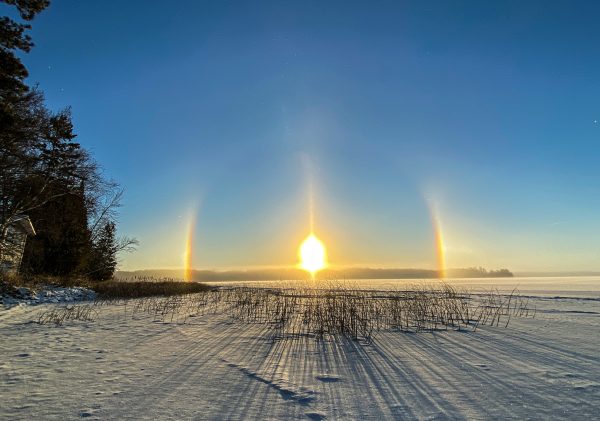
{"points": [[313, 256]]}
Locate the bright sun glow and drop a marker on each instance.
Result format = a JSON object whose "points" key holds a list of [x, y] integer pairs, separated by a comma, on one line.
{"points": [[312, 254]]}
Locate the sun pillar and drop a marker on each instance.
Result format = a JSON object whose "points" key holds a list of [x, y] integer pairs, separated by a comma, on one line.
{"points": [[311, 253]]}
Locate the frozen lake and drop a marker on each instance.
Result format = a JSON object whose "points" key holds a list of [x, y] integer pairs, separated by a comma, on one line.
{"points": [[575, 286]]}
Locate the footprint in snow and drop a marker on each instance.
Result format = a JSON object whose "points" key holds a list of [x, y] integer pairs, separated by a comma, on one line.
{"points": [[315, 416], [585, 385], [328, 378], [286, 390]]}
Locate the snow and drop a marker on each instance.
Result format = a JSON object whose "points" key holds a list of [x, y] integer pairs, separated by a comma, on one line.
{"points": [[47, 294], [124, 366]]}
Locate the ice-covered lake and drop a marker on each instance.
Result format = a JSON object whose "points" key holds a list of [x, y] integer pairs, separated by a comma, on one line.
{"points": [[575, 286]]}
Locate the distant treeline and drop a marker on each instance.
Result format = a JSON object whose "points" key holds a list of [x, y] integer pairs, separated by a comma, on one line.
{"points": [[478, 272], [339, 274]]}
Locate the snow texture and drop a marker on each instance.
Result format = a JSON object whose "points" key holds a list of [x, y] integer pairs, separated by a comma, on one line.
{"points": [[131, 367], [47, 294]]}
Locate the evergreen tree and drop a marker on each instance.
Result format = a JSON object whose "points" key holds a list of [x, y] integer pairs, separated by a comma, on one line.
{"points": [[46, 175], [13, 37], [22, 118], [104, 253]]}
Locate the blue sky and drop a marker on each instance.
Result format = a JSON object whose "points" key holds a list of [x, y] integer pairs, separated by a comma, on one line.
{"points": [[224, 110]]}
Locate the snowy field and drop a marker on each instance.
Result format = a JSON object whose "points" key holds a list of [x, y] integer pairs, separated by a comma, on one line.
{"points": [[130, 367]]}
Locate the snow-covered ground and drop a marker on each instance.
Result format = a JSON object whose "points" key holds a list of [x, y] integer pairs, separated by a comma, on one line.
{"points": [[132, 367], [45, 294]]}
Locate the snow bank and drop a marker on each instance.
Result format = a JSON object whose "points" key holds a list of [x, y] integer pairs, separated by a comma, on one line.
{"points": [[12, 296]]}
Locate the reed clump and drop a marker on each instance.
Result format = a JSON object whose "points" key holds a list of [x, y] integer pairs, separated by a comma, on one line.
{"points": [[338, 309], [329, 309], [113, 289], [59, 314]]}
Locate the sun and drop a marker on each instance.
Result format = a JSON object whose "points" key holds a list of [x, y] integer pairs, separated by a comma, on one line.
{"points": [[312, 254]]}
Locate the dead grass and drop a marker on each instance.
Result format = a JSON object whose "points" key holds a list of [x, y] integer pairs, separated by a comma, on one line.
{"points": [[37, 281], [108, 290], [112, 289], [341, 309], [331, 308], [58, 315], [338, 309]]}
